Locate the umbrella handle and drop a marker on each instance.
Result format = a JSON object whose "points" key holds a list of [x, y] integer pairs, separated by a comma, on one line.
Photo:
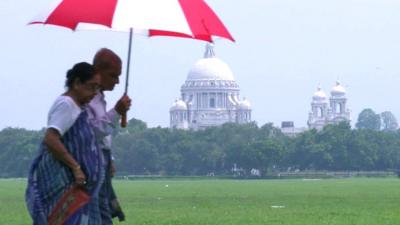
{"points": [[124, 121]]}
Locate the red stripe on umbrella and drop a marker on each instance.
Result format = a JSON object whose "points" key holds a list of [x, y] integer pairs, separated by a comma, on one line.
{"points": [[87, 11]]}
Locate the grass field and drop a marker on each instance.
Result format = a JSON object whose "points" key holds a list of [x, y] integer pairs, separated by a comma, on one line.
{"points": [[356, 201]]}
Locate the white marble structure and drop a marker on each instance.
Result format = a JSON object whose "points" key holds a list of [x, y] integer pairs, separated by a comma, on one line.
{"points": [[209, 96], [332, 112]]}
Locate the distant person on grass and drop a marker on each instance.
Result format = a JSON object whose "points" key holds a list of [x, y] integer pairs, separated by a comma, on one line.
{"points": [[104, 122], [68, 157]]}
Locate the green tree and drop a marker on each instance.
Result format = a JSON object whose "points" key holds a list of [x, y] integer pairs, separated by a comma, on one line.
{"points": [[308, 153], [18, 147], [266, 155], [368, 119], [335, 138], [388, 121]]}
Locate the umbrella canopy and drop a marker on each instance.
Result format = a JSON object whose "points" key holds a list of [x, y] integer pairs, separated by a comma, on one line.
{"points": [[180, 18]]}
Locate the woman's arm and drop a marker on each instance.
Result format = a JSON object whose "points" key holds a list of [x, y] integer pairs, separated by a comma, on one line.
{"points": [[52, 139]]}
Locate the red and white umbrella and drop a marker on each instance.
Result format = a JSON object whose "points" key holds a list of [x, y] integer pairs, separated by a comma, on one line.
{"points": [[178, 18], [182, 18]]}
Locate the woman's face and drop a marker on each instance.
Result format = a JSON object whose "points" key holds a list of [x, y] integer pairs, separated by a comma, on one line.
{"points": [[87, 90]]}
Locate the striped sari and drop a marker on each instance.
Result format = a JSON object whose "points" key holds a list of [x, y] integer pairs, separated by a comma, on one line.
{"points": [[49, 178]]}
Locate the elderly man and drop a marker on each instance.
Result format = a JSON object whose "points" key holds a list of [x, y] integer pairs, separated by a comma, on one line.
{"points": [[104, 122]]}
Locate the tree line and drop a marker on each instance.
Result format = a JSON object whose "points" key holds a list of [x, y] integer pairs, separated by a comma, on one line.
{"points": [[230, 149]]}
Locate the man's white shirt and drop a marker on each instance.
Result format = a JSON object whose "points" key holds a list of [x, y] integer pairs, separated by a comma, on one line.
{"points": [[103, 122]]}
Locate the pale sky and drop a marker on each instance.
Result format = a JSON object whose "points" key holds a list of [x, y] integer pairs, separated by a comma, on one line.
{"points": [[284, 49]]}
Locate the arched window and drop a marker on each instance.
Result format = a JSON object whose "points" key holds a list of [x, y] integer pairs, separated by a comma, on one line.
{"points": [[320, 112]]}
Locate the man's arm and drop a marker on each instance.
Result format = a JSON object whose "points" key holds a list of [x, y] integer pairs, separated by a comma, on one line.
{"points": [[104, 123]]}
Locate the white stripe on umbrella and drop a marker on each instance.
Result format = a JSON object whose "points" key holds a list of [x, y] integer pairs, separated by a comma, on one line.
{"points": [[164, 15]]}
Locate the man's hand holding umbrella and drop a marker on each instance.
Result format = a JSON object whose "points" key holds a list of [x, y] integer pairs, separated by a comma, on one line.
{"points": [[122, 106]]}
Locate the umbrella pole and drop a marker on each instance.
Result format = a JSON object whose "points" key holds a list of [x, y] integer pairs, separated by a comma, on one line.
{"points": [[124, 119], [129, 60]]}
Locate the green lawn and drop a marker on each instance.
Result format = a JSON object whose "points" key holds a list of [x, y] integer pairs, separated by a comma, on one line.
{"points": [[361, 201]]}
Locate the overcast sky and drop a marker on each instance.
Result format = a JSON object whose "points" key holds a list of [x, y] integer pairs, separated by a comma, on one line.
{"points": [[284, 49]]}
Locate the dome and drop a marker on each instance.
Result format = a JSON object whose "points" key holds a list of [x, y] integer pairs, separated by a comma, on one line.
{"points": [[319, 95], [245, 104], [178, 105], [338, 89], [210, 69]]}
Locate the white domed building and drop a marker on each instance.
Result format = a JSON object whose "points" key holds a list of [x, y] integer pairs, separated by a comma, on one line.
{"points": [[209, 97], [321, 114]]}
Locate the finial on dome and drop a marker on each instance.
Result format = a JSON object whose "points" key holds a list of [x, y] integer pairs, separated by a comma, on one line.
{"points": [[338, 89], [209, 51]]}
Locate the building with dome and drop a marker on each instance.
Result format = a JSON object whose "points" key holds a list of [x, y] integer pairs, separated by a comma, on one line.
{"points": [[325, 112], [209, 96]]}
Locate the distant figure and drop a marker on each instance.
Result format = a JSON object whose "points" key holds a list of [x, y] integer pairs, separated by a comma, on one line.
{"points": [[104, 122], [68, 157]]}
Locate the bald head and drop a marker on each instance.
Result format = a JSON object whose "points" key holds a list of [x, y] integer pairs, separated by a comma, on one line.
{"points": [[106, 59]]}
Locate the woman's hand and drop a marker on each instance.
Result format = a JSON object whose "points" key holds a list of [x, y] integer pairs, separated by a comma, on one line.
{"points": [[52, 139], [80, 177]]}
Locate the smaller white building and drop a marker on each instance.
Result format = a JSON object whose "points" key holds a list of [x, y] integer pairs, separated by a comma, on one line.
{"points": [[332, 111]]}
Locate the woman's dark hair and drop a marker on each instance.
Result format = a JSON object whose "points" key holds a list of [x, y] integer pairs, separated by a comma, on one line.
{"points": [[82, 71]]}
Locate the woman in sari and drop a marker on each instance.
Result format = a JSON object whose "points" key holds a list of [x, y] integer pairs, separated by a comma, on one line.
{"points": [[68, 157]]}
